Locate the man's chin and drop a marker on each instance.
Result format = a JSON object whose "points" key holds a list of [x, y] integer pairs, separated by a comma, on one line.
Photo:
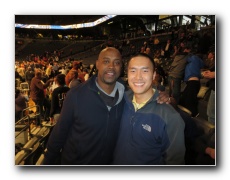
{"points": [[110, 81], [137, 90]]}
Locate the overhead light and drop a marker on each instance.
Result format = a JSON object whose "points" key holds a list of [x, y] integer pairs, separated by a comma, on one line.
{"points": [[110, 22]]}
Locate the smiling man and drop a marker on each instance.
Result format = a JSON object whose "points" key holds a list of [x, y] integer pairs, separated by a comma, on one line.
{"points": [[150, 133], [87, 129]]}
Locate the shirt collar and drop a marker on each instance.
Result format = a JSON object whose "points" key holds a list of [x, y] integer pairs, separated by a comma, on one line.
{"points": [[112, 94], [139, 106]]}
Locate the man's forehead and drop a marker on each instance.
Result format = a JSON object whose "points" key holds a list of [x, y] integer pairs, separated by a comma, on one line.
{"points": [[110, 56]]}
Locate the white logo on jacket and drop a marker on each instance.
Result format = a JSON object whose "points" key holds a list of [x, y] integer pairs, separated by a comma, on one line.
{"points": [[146, 127]]}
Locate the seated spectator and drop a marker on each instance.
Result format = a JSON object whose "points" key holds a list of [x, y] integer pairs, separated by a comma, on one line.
{"points": [[20, 104]]}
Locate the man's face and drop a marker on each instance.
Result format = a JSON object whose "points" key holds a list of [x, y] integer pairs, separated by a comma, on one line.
{"points": [[109, 66], [141, 75]]}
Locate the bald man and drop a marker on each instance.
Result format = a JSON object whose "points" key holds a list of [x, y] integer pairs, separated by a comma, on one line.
{"points": [[87, 129]]}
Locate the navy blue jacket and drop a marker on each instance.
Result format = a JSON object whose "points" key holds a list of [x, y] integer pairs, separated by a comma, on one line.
{"points": [[153, 135], [86, 131]]}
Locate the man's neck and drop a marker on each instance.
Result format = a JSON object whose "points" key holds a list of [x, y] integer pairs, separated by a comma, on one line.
{"points": [[140, 98], [108, 88]]}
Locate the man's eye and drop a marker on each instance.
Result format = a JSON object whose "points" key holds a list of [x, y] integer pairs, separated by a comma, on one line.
{"points": [[117, 63]]}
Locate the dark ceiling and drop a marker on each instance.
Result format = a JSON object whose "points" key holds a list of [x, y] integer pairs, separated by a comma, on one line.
{"points": [[69, 19], [55, 19]]}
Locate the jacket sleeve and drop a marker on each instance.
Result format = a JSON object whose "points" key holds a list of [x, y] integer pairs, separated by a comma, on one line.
{"points": [[176, 150], [60, 131]]}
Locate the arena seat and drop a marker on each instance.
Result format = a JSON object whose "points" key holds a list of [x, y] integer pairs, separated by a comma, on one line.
{"points": [[32, 157], [32, 150], [204, 126]]}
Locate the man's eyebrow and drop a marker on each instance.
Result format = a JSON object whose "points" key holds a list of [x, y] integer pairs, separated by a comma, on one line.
{"points": [[106, 58], [143, 67]]}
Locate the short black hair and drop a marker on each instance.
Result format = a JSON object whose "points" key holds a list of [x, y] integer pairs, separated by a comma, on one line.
{"points": [[143, 55], [60, 78]]}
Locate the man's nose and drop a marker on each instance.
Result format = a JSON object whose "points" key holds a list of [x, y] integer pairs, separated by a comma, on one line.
{"points": [[138, 75]]}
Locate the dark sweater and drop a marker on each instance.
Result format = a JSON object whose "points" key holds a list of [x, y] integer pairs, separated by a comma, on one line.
{"points": [[86, 130]]}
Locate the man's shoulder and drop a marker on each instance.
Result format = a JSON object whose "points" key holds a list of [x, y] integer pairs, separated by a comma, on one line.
{"points": [[173, 117], [36, 80], [79, 87], [168, 111], [181, 56], [61, 89]]}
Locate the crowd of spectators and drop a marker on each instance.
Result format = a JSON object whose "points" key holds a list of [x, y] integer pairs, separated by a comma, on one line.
{"points": [[187, 53]]}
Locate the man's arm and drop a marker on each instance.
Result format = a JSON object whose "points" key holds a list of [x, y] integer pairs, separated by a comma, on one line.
{"points": [[60, 131], [208, 74], [175, 129]]}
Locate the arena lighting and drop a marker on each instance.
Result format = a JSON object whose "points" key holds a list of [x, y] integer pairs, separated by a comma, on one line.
{"points": [[72, 26]]}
